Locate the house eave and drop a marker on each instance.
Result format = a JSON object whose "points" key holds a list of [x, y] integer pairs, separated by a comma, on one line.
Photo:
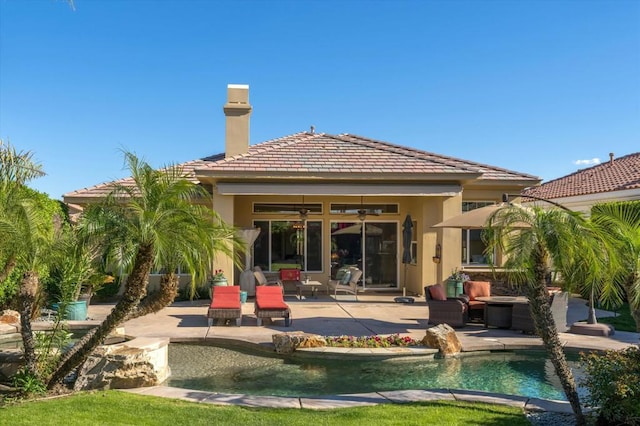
{"points": [[337, 189]]}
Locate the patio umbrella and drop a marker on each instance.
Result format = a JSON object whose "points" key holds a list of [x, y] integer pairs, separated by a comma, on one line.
{"points": [[247, 279], [473, 219], [357, 230], [476, 218], [407, 233]]}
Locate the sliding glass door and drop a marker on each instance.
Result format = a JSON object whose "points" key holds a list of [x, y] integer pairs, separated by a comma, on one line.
{"points": [[369, 246]]}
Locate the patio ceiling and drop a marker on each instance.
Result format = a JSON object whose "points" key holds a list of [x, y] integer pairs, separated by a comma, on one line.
{"points": [[416, 190]]}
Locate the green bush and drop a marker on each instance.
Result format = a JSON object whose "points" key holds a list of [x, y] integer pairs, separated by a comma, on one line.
{"points": [[613, 380]]}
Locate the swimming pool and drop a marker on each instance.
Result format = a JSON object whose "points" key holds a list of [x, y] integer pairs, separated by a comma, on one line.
{"points": [[225, 370]]}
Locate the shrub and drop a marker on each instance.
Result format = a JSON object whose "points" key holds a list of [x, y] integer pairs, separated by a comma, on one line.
{"points": [[370, 341], [613, 380]]}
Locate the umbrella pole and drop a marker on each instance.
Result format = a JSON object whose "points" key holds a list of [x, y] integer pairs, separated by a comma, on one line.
{"points": [[404, 282]]}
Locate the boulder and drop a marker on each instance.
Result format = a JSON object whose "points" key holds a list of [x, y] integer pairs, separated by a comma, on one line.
{"points": [[10, 317], [443, 337], [137, 363], [10, 362], [286, 343]]}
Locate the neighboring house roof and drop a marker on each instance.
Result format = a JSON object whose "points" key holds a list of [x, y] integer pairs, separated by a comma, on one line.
{"points": [[618, 174], [334, 156]]}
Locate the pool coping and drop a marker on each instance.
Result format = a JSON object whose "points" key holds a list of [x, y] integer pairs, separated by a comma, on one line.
{"points": [[357, 400]]}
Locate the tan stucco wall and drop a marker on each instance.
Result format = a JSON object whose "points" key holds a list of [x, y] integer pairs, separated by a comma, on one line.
{"points": [[426, 211], [224, 205]]}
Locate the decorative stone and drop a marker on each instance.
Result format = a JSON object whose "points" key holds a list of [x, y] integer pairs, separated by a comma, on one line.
{"points": [[10, 317], [137, 363], [286, 343], [10, 363], [443, 337]]}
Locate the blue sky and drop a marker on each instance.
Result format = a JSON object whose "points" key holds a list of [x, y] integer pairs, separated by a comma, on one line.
{"points": [[533, 86]]}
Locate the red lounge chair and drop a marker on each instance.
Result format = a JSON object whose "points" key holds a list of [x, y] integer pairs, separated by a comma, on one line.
{"points": [[225, 304], [270, 304]]}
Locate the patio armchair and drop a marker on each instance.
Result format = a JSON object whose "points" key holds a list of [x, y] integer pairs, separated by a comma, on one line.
{"points": [[262, 280], [270, 304], [475, 289], [453, 311], [348, 283], [225, 304], [522, 320]]}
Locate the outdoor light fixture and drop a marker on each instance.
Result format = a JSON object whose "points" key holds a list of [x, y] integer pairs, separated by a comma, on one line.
{"points": [[436, 258]]}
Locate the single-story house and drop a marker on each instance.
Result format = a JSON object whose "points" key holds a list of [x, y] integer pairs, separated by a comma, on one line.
{"points": [[325, 201], [616, 180]]}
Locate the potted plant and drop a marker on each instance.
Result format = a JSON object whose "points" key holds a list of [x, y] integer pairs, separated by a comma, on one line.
{"points": [[455, 283], [218, 278], [72, 269]]}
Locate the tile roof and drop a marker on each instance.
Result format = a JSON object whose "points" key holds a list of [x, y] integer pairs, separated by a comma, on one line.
{"points": [[322, 154], [350, 154], [620, 174]]}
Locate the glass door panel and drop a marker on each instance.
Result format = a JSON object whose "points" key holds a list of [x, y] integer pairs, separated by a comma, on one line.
{"points": [[381, 255], [370, 246]]}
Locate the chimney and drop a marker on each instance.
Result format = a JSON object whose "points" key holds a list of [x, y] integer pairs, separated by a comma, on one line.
{"points": [[237, 110], [611, 158]]}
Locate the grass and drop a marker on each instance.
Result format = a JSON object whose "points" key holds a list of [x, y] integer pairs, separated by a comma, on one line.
{"points": [[120, 408], [623, 321]]}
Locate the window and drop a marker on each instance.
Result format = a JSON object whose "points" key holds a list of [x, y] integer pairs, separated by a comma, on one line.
{"points": [[286, 208], [473, 248], [370, 208], [288, 244]]}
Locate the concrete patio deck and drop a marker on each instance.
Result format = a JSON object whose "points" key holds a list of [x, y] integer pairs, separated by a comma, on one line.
{"points": [[372, 314]]}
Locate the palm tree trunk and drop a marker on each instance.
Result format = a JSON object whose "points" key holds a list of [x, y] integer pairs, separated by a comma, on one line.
{"points": [[27, 297], [8, 268], [135, 290], [546, 328], [630, 290], [159, 300]]}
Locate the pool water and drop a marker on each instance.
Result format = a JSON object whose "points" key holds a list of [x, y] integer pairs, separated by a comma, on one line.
{"points": [[224, 370]]}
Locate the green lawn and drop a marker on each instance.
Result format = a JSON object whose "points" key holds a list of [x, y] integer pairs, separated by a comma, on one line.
{"points": [[120, 408], [623, 322]]}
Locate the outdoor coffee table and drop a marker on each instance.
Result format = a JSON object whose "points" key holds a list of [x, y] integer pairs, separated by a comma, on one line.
{"points": [[498, 309], [308, 284]]}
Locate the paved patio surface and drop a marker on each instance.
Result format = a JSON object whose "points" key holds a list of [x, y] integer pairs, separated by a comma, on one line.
{"points": [[372, 314]]}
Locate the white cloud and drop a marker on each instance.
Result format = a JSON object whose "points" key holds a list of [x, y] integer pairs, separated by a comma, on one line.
{"points": [[587, 162]]}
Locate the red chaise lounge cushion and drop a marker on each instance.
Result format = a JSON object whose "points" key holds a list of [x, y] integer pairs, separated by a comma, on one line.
{"points": [[226, 297], [270, 298]]}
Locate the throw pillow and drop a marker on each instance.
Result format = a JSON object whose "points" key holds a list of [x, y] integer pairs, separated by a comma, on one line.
{"points": [[345, 278], [475, 289], [437, 292]]}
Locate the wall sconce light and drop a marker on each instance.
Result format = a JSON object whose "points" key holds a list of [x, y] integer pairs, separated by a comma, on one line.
{"points": [[436, 258]]}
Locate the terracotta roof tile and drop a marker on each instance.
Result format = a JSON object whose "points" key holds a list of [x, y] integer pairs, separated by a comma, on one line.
{"points": [[622, 174], [324, 154], [348, 154]]}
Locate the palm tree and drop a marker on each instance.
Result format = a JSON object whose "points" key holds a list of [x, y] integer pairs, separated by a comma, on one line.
{"points": [[158, 219], [623, 221], [533, 239], [27, 230]]}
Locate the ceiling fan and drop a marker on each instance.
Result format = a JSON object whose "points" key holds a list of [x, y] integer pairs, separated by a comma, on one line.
{"points": [[304, 212], [362, 212]]}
